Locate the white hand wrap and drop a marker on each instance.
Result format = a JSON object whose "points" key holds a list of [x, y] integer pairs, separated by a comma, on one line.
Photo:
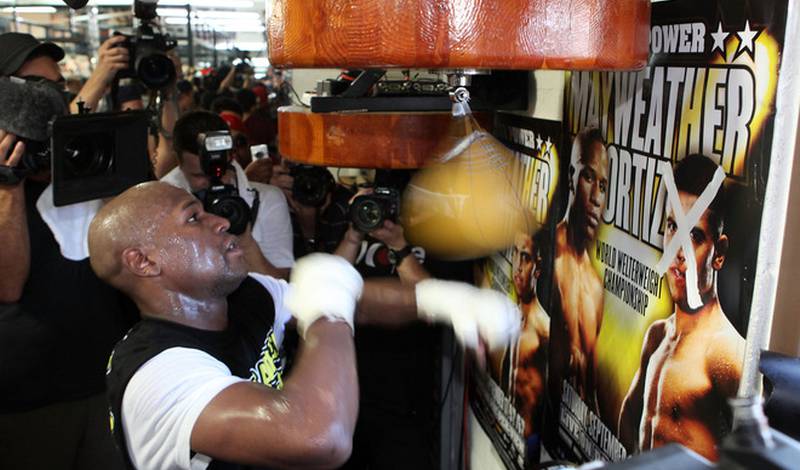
{"points": [[323, 285], [472, 312]]}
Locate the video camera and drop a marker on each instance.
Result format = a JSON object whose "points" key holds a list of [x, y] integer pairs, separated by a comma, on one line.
{"points": [[311, 184], [222, 199], [369, 211], [148, 49], [90, 156]]}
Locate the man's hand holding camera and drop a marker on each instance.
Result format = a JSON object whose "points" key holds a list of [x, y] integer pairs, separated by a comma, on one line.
{"points": [[11, 150], [111, 58], [15, 254]]}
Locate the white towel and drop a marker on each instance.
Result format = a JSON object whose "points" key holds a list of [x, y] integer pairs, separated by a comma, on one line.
{"points": [[69, 224]]}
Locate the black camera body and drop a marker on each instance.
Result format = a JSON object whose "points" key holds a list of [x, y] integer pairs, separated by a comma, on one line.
{"points": [[311, 184], [369, 211], [148, 49], [222, 199], [90, 156], [97, 155], [148, 57]]}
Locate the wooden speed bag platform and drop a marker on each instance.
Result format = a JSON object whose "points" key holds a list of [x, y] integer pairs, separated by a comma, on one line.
{"points": [[483, 34], [440, 34], [364, 140]]}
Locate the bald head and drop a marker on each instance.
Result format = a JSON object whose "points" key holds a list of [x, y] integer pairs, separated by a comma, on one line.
{"points": [[129, 221]]}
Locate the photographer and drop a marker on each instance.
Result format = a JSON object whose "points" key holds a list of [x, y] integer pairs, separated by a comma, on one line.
{"points": [[111, 58], [268, 243], [58, 321], [395, 427]]}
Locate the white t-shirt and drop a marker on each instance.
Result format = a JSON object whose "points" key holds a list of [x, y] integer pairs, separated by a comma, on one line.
{"points": [[164, 398], [273, 227]]}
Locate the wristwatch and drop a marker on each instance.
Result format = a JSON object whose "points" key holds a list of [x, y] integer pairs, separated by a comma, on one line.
{"points": [[396, 256]]}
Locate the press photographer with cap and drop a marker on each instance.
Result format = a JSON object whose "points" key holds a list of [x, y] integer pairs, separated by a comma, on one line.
{"points": [[58, 321]]}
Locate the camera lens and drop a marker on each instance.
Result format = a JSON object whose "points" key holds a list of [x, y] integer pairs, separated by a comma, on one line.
{"points": [[155, 70], [233, 208], [368, 215], [88, 155], [308, 190]]}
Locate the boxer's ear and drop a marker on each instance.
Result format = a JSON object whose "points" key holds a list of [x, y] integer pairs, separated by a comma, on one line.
{"points": [[720, 251], [136, 261]]}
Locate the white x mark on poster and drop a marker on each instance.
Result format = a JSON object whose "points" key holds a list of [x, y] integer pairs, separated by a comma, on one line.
{"points": [[682, 238]]}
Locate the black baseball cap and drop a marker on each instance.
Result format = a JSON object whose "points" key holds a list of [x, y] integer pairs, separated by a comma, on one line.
{"points": [[16, 48]]}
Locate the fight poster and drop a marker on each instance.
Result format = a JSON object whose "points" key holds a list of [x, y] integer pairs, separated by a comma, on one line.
{"points": [[508, 395], [663, 174]]}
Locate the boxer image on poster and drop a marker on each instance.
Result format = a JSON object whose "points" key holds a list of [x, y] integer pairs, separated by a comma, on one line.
{"points": [[691, 361]]}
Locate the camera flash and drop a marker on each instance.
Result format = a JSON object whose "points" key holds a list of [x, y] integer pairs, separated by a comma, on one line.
{"points": [[218, 143]]}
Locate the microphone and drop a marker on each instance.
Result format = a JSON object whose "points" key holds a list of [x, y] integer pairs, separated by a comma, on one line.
{"points": [[26, 108]]}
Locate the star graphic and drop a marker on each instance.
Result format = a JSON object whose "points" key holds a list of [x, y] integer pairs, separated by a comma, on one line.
{"points": [[746, 38], [538, 142], [549, 145], [719, 39]]}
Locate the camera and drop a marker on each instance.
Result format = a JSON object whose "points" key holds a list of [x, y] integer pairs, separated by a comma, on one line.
{"points": [[97, 155], [311, 184], [367, 212], [90, 156], [148, 50], [221, 199]]}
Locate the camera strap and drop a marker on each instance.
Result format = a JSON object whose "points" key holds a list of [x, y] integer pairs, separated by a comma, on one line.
{"points": [[254, 208]]}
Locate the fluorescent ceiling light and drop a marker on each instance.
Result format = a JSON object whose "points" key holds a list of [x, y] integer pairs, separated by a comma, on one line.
{"points": [[243, 46], [207, 3], [37, 9], [222, 25], [111, 3], [209, 14]]}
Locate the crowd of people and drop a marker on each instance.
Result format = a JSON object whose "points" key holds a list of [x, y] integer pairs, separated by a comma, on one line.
{"points": [[145, 312]]}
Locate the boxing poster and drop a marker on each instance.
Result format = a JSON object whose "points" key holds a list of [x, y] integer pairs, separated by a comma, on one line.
{"points": [[507, 395], [663, 177]]}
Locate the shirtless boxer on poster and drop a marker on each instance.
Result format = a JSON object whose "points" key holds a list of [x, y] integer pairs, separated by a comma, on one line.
{"points": [[579, 289], [530, 368], [691, 361]]}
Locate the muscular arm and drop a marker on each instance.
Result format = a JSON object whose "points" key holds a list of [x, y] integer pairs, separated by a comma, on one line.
{"points": [[386, 302], [15, 254], [630, 415], [308, 424]]}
